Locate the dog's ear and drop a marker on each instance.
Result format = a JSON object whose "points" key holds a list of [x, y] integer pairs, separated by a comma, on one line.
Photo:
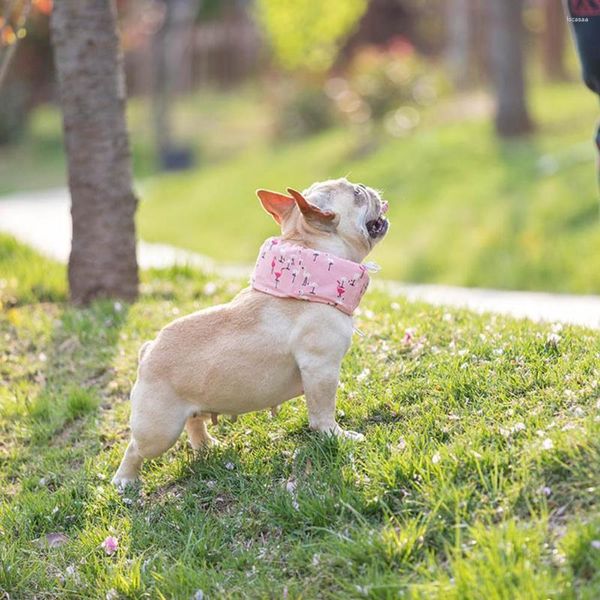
{"points": [[277, 205], [310, 211]]}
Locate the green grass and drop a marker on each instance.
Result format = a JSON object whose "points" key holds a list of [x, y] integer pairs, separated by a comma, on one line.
{"points": [[478, 477], [26, 277], [466, 209]]}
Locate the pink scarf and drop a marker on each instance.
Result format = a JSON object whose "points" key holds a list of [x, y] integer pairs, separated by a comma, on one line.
{"points": [[291, 271]]}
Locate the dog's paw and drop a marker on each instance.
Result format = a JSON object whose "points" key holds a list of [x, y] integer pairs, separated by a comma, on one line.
{"points": [[121, 482], [337, 431], [350, 435], [210, 442], [205, 443]]}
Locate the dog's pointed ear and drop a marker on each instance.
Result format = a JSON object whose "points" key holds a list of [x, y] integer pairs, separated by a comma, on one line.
{"points": [[310, 211], [277, 205]]}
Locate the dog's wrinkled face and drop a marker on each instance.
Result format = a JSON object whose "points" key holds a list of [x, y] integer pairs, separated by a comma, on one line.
{"points": [[359, 211], [331, 212]]}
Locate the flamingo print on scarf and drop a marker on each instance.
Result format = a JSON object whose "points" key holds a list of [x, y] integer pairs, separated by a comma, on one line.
{"points": [[281, 270]]}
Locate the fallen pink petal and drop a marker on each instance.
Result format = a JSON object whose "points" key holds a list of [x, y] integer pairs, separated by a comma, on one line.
{"points": [[110, 545], [409, 335]]}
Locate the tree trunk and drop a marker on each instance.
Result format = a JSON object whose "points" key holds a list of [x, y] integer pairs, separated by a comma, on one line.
{"points": [[553, 41], [172, 46], [460, 28], [506, 32], [92, 94]]}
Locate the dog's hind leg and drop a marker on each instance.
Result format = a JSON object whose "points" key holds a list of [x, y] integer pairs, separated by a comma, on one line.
{"points": [[157, 420], [198, 432]]}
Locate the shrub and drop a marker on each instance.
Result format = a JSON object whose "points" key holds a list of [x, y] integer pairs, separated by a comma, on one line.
{"points": [[302, 110], [390, 83]]}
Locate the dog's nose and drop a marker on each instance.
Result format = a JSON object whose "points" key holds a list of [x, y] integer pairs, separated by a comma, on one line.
{"points": [[384, 207]]}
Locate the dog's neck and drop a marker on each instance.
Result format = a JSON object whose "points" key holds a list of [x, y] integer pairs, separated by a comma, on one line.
{"points": [[296, 230], [334, 245], [324, 241]]}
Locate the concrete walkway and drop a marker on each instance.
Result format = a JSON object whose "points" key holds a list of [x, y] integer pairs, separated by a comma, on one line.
{"points": [[42, 220]]}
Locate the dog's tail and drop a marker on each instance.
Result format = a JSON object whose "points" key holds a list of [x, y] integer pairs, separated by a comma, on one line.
{"points": [[144, 350]]}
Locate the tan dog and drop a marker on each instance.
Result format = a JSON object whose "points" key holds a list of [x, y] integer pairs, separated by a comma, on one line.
{"points": [[258, 350]]}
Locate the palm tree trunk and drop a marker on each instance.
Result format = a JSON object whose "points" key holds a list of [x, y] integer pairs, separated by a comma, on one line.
{"points": [[92, 94], [506, 32]]}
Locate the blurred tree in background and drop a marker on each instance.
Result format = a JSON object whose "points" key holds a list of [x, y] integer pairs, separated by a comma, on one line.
{"points": [[506, 48], [554, 40], [460, 48], [171, 62], [26, 76]]}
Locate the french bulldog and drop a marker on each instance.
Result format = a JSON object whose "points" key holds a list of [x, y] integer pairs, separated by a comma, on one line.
{"points": [[283, 336]]}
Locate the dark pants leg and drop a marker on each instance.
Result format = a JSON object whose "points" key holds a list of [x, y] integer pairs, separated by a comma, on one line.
{"points": [[584, 16]]}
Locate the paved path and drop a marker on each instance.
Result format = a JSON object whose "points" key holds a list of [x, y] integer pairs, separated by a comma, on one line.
{"points": [[42, 220]]}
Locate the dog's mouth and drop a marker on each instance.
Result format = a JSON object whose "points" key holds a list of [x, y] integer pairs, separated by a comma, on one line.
{"points": [[377, 227]]}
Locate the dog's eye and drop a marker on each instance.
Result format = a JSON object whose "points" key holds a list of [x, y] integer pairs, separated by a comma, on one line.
{"points": [[357, 191]]}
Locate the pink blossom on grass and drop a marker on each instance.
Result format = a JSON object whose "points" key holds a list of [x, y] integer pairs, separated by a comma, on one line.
{"points": [[110, 545]]}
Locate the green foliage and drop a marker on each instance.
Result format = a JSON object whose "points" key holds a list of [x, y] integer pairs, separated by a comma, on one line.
{"points": [[578, 548], [383, 82], [305, 35], [477, 479], [380, 85], [302, 110], [25, 277]]}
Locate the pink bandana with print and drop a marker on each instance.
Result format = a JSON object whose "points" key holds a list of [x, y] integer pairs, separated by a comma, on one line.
{"points": [[292, 271]]}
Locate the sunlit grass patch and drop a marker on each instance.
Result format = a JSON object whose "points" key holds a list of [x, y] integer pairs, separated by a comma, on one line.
{"points": [[25, 277]]}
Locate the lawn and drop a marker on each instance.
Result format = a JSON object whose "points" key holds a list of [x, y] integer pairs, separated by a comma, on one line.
{"points": [[466, 209], [478, 477]]}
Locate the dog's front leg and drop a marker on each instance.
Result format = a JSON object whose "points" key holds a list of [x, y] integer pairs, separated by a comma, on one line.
{"points": [[320, 385]]}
